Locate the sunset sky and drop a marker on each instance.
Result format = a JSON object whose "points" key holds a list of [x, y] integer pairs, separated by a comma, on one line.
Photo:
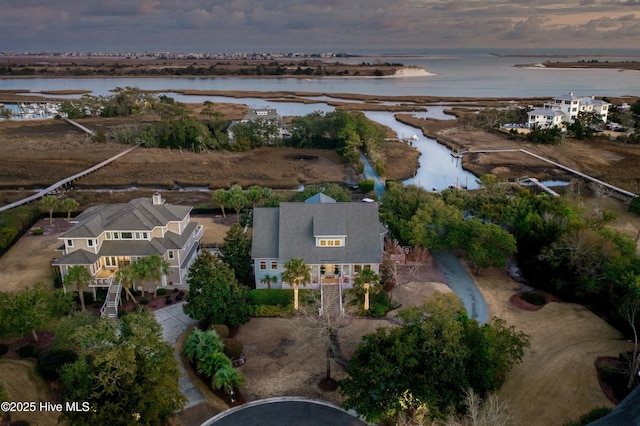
{"points": [[315, 25]]}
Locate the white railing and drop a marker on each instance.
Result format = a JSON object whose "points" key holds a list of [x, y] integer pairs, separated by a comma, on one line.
{"points": [[110, 307]]}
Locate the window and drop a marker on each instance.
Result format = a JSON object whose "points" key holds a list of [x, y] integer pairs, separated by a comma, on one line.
{"points": [[69, 243], [330, 243], [116, 235], [357, 269], [126, 235], [144, 235], [170, 254], [274, 265], [90, 243], [137, 235], [111, 261], [263, 265], [108, 235]]}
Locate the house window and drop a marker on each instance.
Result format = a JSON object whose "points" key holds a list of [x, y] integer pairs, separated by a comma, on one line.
{"points": [[116, 235], [90, 243], [127, 235], [170, 254], [137, 235], [263, 265], [357, 269], [144, 235], [330, 243], [274, 265], [108, 235], [111, 261], [69, 243]]}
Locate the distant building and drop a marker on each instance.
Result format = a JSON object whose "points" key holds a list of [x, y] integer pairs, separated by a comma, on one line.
{"points": [[565, 109], [271, 124]]}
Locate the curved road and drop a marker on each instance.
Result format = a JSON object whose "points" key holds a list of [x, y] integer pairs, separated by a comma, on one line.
{"points": [[462, 285]]}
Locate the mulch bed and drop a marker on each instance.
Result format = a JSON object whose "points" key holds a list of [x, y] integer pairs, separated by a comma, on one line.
{"points": [[518, 302], [45, 340], [615, 390]]}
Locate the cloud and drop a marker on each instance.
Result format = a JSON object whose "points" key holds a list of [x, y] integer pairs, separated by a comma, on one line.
{"points": [[207, 25]]}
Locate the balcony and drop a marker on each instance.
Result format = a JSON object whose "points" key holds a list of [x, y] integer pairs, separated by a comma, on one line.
{"points": [[104, 278]]}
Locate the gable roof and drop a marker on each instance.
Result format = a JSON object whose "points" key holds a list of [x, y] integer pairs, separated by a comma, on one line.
{"points": [[137, 215], [289, 231]]}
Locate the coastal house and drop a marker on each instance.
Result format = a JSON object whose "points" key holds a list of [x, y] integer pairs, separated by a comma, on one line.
{"points": [[565, 109], [337, 240], [271, 125], [108, 237]]}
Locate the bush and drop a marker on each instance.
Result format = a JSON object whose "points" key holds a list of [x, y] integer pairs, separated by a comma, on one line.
{"points": [[37, 231], [233, 348], [168, 301], [136, 293], [271, 297], [3, 349], [378, 309], [366, 185], [270, 311], [27, 350], [534, 297], [144, 301], [50, 362], [161, 291], [589, 417], [221, 329]]}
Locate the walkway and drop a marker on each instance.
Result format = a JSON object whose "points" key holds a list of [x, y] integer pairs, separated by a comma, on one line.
{"points": [[65, 181], [174, 322]]}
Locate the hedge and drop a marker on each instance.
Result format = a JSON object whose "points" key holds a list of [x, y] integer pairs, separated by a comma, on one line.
{"points": [[271, 297], [14, 223], [270, 311]]}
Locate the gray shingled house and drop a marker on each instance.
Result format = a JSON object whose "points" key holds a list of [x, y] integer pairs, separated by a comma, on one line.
{"points": [[340, 239], [107, 237]]}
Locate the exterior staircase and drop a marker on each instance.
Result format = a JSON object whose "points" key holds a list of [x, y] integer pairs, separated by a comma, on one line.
{"points": [[110, 307], [331, 300]]}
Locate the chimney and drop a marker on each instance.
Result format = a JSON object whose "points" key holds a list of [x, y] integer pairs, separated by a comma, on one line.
{"points": [[157, 199]]}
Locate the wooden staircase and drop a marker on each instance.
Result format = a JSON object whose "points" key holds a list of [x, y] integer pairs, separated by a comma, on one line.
{"points": [[331, 300]]}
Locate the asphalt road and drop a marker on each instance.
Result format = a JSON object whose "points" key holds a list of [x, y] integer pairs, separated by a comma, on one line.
{"points": [[462, 285]]}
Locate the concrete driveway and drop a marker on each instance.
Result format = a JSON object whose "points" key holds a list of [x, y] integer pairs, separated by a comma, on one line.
{"points": [[174, 322]]}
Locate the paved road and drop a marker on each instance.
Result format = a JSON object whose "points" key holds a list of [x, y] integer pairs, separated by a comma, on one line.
{"points": [[285, 411], [462, 285], [174, 322]]}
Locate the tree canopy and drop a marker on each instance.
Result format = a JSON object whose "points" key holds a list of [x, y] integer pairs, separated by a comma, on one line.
{"points": [[125, 371], [215, 297], [236, 252], [434, 357]]}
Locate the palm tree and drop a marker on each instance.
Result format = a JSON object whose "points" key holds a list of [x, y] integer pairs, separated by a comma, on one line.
{"points": [[79, 276], [69, 205], [226, 378], [127, 276], [296, 272], [367, 282], [200, 345], [237, 199], [50, 203], [220, 197], [151, 268], [268, 279]]}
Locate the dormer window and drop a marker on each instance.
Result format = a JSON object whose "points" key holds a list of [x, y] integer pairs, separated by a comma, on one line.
{"points": [[330, 242]]}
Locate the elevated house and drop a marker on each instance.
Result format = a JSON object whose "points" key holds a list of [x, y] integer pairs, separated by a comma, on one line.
{"points": [[337, 241], [108, 237], [269, 123], [565, 109]]}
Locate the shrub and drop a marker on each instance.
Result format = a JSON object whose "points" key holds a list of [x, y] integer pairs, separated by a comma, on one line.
{"points": [[534, 297], [3, 349], [179, 296], [366, 185], [233, 348], [50, 361], [589, 417], [161, 291], [221, 329], [27, 350], [271, 297], [136, 293], [168, 301], [378, 309], [38, 231], [144, 301], [270, 311]]}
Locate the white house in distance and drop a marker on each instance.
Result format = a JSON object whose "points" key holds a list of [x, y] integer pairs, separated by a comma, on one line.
{"points": [[108, 237], [565, 109], [265, 116]]}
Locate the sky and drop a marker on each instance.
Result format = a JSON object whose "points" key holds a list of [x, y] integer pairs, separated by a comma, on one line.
{"points": [[315, 25]]}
